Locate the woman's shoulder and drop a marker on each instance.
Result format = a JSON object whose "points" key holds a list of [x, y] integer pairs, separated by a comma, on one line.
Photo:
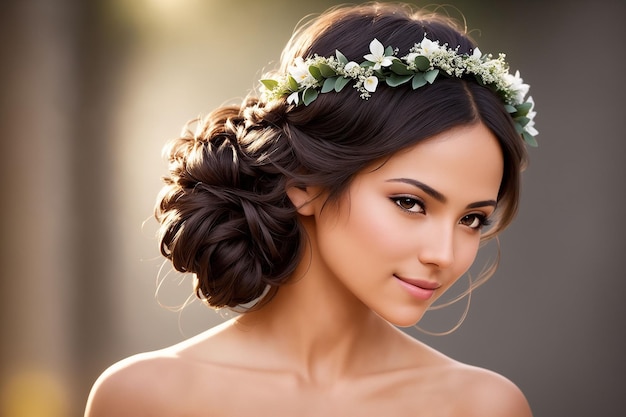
{"points": [[134, 386], [481, 392], [436, 384], [156, 383]]}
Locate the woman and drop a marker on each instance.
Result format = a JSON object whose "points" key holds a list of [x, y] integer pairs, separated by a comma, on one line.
{"points": [[333, 209]]}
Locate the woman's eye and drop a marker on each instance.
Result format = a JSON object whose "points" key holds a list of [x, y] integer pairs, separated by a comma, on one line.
{"points": [[409, 204], [474, 221]]}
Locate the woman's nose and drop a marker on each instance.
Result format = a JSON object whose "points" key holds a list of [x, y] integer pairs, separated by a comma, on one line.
{"points": [[437, 246]]}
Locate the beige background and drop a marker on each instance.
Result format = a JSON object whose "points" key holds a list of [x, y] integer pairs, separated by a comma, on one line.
{"points": [[91, 90]]}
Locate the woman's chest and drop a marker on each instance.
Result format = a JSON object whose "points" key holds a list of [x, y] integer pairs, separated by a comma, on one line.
{"points": [[279, 395]]}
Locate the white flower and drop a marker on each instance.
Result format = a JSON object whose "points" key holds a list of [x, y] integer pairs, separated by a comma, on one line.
{"points": [[370, 83], [350, 67], [476, 53], [429, 47], [530, 126], [516, 86], [300, 72], [377, 55], [410, 58], [293, 98]]}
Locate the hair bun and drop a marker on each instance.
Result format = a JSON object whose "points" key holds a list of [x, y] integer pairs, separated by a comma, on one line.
{"points": [[224, 217]]}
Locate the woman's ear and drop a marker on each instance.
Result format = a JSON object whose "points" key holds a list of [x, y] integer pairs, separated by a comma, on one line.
{"points": [[302, 198]]}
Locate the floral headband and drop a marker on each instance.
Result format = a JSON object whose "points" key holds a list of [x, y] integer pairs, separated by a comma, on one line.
{"points": [[425, 62]]}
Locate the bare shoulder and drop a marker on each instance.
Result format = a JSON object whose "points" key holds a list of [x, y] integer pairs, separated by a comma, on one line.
{"points": [[484, 393], [432, 383], [136, 386], [158, 383]]}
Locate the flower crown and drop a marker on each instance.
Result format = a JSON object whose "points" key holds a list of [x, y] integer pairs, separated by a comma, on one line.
{"points": [[425, 62]]}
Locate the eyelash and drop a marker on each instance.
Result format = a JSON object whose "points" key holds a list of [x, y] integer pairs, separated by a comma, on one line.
{"points": [[399, 200], [483, 221]]}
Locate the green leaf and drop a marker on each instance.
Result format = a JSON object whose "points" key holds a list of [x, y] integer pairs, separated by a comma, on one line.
{"points": [[395, 80], [270, 84], [341, 57], [329, 84], [422, 63], [309, 95], [523, 120], [388, 51], [400, 68], [524, 108], [316, 73], [341, 83], [367, 64], [530, 139], [327, 71], [418, 81], [431, 75], [293, 84], [510, 109]]}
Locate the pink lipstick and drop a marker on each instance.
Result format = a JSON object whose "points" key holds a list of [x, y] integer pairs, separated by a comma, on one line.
{"points": [[419, 288]]}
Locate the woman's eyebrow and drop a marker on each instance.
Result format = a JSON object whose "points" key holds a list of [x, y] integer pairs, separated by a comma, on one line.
{"points": [[439, 196], [427, 189], [484, 203]]}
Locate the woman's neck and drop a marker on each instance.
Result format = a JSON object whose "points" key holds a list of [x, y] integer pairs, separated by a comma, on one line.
{"points": [[317, 326]]}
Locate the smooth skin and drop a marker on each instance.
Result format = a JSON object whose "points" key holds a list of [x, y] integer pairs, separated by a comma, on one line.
{"points": [[327, 344]]}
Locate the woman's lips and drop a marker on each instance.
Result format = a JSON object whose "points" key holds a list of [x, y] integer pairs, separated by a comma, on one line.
{"points": [[419, 288]]}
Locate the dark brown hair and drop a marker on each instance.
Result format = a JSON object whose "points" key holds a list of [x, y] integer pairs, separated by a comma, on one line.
{"points": [[224, 212]]}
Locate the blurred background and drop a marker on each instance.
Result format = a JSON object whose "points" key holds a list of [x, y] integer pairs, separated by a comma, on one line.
{"points": [[90, 92]]}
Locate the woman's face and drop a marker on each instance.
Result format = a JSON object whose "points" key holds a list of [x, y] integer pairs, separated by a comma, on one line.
{"points": [[406, 230]]}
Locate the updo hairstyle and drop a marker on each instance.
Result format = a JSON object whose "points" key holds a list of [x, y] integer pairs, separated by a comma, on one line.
{"points": [[224, 212]]}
